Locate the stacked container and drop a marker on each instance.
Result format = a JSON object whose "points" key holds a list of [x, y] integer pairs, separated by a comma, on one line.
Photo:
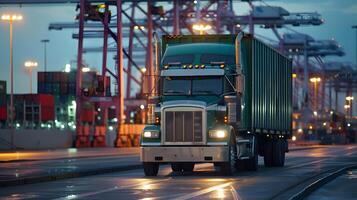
{"points": [[3, 107], [34, 108]]}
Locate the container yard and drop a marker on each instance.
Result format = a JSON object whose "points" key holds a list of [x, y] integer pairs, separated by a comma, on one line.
{"points": [[181, 99]]}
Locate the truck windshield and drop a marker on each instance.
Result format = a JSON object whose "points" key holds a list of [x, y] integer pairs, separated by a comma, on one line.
{"points": [[217, 58], [192, 86], [183, 59]]}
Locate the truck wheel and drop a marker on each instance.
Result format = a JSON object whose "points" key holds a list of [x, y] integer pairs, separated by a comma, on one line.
{"points": [[150, 168], [268, 153], [279, 152], [188, 167], [228, 168], [176, 167]]}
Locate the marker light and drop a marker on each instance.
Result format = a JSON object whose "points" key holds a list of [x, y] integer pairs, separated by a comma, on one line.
{"points": [[166, 66], [151, 134], [217, 134]]}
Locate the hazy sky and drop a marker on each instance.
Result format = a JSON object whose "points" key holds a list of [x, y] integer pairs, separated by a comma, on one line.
{"points": [[338, 14]]}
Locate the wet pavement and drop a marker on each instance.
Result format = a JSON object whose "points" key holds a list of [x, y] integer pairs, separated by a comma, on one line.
{"points": [[302, 167], [32, 155], [344, 187]]}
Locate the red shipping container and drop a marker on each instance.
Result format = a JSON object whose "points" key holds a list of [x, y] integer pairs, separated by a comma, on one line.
{"points": [[87, 115], [47, 113], [3, 113], [45, 100]]}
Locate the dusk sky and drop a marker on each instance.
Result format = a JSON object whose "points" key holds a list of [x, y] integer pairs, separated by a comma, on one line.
{"points": [[339, 17]]}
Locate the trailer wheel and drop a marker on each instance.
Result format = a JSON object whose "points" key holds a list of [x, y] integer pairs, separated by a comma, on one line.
{"points": [[176, 167], [268, 153], [279, 149], [150, 168], [188, 167]]}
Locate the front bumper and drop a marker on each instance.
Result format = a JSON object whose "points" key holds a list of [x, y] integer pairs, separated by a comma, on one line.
{"points": [[184, 154]]}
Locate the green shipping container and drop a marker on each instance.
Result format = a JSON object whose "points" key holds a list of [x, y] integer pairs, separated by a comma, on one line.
{"points": [[267, 92]]}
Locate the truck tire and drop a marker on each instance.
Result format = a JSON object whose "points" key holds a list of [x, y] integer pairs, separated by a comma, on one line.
{"points": [[279, 149], [268, 153], [150, 168], [176, 167], [228, 168], [188, 167]]}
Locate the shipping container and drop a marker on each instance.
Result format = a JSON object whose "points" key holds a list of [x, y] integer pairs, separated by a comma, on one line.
{"points": [[268, 88], [2, 87], [34, 107], [64, 77], [3, 113], [57, 76], [48, 77], [2, 100], [40, 77]]}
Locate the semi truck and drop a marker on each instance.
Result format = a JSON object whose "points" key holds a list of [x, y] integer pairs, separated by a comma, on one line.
{"points": [[221, 99]]}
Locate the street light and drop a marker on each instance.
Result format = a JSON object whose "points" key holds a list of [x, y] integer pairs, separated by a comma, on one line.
{"points": [[355, 27], [45, 41], [29, 65], [10, 19], [349, 100], [315, 79], [202, 28]]}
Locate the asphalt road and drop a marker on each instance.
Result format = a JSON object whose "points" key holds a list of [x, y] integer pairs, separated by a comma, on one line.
{"points": [[302, 168]]}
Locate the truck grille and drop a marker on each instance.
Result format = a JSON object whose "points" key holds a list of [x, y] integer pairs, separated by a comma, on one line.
{"points": [[183, 126]]}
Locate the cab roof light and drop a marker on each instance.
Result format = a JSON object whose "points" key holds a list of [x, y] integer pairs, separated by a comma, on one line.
{"points": [[184, 66], [221, 66], [166, 66], [190, 66], [197, 66], [202, 66]]}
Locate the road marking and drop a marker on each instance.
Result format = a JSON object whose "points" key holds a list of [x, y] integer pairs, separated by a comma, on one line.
{"points": [[235, 194], [204, 191], [78, 196]]}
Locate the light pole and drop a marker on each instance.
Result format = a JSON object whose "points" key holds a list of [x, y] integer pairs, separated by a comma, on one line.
{"points": [[11, 18], [29, 65], [349, 99], [315, 81], [355, 27], [45, 41]]}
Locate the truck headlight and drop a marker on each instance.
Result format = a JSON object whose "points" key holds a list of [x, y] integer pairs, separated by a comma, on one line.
{"points": [[217, 134], [151, 134]]}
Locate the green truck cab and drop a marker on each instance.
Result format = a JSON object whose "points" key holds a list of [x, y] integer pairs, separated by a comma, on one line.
{"points": [[222, 99]]}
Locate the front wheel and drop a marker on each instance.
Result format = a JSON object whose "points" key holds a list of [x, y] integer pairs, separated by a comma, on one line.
{"points": [[228, 168], [150, 168]]}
